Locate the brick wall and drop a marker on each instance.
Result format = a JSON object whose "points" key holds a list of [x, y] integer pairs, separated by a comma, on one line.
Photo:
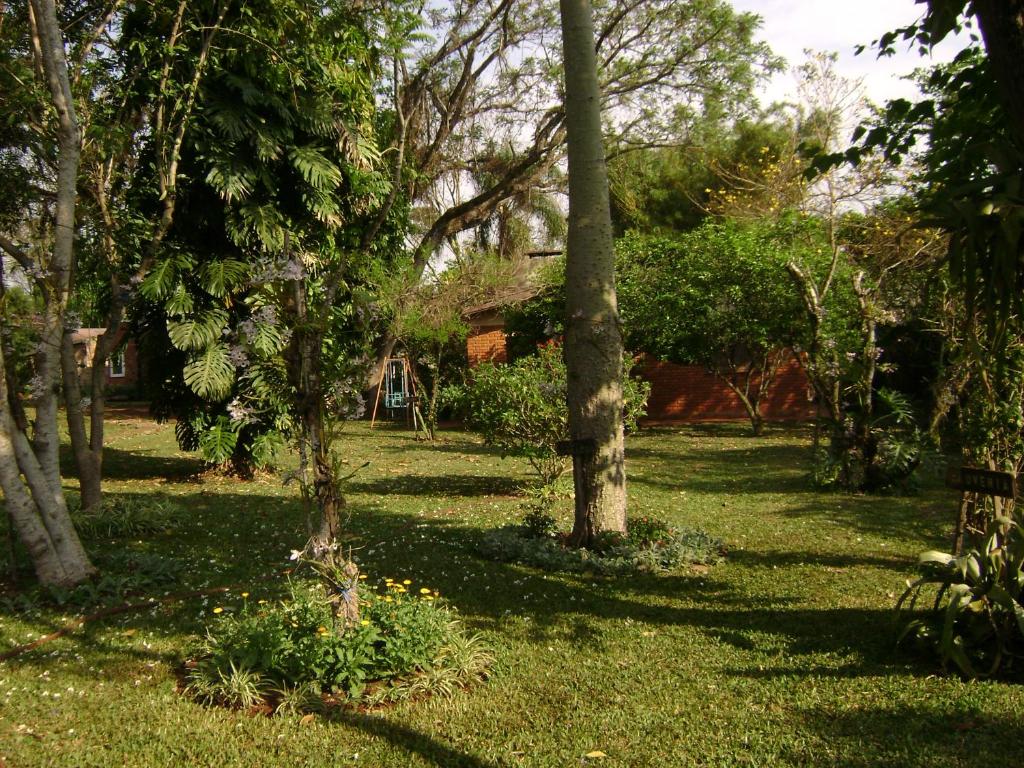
{"points": [[690, 393], [486, 345], [682, 392]]}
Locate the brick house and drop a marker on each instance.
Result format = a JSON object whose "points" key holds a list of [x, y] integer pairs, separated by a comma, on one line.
{"points": [[678, 392], [122, 370]]}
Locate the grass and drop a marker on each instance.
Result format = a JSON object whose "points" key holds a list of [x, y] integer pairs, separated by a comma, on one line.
{"points": [[782, 655]]}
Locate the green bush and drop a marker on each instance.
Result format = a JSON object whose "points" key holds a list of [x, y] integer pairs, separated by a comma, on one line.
{"points": [[292, 653], [128, 517], [520, 408], [977, 619], [655, 547]]}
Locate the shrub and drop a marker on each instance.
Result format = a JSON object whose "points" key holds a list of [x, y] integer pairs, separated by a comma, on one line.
{"points": [[656, 546], [293, 653], [520, 408], [128, 517], [977, 619]]}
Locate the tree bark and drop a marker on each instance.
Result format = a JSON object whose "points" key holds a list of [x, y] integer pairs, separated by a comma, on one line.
{"points": [[1002, 28], [593, 340], [30, 471]]}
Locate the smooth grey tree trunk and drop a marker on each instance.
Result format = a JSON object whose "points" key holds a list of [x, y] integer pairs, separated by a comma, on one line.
{"points": [[593, 340], [30, 471]]}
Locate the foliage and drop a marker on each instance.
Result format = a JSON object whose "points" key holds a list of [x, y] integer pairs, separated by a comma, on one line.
{"points": [[720, 297], [520, 407], [969, 180], [19, 333], [292, 652], [656, 547], [882, 458], [977, 620], [128, 517], [428, 318], [539, 319], [674, 189], [125, 574]]}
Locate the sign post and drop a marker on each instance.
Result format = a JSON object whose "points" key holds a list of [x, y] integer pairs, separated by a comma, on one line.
{"points": [[973, 483]]}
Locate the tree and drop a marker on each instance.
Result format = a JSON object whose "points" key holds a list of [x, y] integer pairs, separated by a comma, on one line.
{"points": [[593, 340], [429, 316], [675, 188], [289, 147], [482, 99], [30, 469], [718, 296]]}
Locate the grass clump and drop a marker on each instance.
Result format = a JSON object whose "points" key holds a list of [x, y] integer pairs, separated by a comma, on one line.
{"points": [[128, 517], [651, 545], [293, 656]]}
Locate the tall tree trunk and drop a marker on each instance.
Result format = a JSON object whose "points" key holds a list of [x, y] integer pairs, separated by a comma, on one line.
{"points": [[37, 512], [1002, 27], [593, 340], [87, 445], [30, 472]]}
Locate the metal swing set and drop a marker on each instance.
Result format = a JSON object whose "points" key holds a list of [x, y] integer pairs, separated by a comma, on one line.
{"points": [[398, 386]]}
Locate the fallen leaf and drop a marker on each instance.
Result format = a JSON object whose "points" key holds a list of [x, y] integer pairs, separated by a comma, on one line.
{"points": [[596, 755], [129, 632], [307, 719]]}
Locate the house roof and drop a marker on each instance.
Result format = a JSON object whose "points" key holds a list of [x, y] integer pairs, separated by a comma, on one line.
{"points": [[515, 295], [85, 334]]}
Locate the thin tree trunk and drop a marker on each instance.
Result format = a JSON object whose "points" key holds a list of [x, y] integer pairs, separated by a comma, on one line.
{"points": [[39, 515], [593, 341], [36, 503]]}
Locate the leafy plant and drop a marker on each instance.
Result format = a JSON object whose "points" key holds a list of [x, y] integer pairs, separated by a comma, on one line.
{"points": [[612, 555], [128, 517], [520, 408], [297, 649], [977, 619]]}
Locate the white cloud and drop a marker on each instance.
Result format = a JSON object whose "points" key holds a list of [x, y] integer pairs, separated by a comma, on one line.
{"points": [[790, 26]]}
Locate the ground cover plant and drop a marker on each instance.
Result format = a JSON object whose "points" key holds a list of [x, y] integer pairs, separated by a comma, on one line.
{"points": [[783, 654], [650, 545], [290, 654]]}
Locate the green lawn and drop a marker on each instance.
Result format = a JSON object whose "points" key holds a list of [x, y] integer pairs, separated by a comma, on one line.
{"points": [[781, 655]]}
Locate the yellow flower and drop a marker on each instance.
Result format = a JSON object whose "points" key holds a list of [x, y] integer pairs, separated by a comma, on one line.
{"points": [[322, 630], [428, 597], [218, 609], [407, 582], [389, 599], [362, 575], [261, 602], [365, 622], [388, 580], [245, 594], [424, 591]]}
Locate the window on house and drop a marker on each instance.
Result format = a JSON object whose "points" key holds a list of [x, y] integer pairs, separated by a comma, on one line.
{"points": [[117, 364]]}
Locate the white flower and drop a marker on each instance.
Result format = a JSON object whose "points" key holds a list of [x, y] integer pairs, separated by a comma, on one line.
{"points": [[295, 555]]}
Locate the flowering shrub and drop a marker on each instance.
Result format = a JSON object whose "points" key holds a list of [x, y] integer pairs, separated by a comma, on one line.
{"points": [[290, 655]]}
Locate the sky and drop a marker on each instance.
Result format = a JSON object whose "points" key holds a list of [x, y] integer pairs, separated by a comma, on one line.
{"points": [[790, 26]]}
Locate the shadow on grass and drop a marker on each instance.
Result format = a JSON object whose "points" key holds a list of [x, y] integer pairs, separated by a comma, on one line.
{"points": [[730, 471], [780, 559], [139, 464], [410, 740], [947, 732], [433, 486], [892, 517]]}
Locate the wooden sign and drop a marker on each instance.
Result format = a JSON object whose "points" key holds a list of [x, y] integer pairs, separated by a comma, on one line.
{"points": [[586, 446], [983, 481]]}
